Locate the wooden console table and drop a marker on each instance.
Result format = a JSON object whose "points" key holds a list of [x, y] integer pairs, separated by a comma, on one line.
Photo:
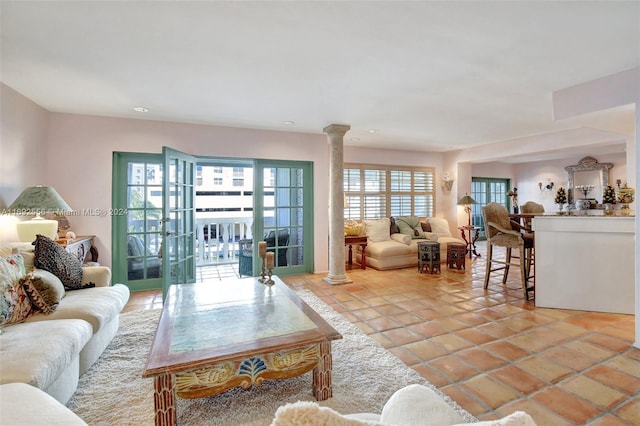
{"points": [[81, 246], [470, 235], [361, 240]]}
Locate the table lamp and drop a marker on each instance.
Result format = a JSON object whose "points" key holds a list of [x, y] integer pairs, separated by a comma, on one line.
{"points": [[37, 200], [466, 201]]}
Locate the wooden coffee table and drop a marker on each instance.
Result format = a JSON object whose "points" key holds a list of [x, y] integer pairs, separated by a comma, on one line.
{"points": [[217, 335]]}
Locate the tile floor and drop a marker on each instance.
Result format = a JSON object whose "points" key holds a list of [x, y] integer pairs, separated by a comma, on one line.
{"points": [[489, 350]]}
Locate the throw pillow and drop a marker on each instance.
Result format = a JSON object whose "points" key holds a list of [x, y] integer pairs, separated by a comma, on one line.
{"points": [[52, 257], [440, 227], [410, 225], [377, 230], [394, 226], [44, 289], [413, 404], [15, 305], [426, 227], [401, 238]]}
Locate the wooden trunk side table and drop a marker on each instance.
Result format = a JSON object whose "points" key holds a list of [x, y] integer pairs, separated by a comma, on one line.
{"points": [[361, 240]]}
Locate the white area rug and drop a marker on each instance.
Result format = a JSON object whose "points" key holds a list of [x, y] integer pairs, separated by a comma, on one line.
{"points": [[114, 393]]}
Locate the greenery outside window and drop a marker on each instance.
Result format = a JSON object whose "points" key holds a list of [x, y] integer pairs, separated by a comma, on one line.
{"points": [[375, 191]]}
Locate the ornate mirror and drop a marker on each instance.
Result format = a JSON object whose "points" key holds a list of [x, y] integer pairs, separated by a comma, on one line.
{"points": [[588, 172]]}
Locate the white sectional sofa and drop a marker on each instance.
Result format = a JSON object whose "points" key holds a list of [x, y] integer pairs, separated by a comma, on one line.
{"points": [[51, 351], [392, 248]]}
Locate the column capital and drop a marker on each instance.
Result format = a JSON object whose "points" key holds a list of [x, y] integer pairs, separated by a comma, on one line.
{"points": [[336, 129]]}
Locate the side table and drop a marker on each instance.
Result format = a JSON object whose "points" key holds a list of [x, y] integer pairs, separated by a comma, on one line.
{"points": [[470, 235], [81, 247], [429, 256], [360, 240]]}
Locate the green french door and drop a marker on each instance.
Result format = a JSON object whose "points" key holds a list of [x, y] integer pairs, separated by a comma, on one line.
{"points": [[137, 236], [178, 218], [284, 214], [485, 191]]}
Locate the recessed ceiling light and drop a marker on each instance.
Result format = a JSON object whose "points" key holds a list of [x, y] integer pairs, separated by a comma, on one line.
{"points": [[355, 139], [288, 123], [372, 130], [140, 109]]}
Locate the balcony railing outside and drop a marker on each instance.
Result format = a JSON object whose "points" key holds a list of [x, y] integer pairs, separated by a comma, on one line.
{"points": [[217, 239]]}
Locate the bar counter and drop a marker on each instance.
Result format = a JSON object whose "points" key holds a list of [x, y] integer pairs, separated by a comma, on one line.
{"points": [[585, 260]]}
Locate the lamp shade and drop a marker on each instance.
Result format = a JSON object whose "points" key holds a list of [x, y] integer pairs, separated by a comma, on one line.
{"points": [[466, 200], [38, 200]]}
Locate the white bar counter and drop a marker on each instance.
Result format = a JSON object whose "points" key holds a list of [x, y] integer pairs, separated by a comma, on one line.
{"points": [[585, 262]]}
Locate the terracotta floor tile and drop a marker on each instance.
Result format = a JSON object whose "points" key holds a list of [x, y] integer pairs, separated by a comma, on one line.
{"points": [[464, 399], [383, 323], [567, 405], [569, 330], [624, 364], [429, 314], [366, 313], [366, 328], [431, 375], [607, 342], [471, 318], [427, 329], [382, 340], [389, 309], [451, 342], [518, 379], [630, 411], [505, 350], [408, 318], [450, 324], [589, 350], [567, 358], [481, 359], [529, 342], [543, 369], [475, 336], [354, 304], [405, 356], [489, 391], [593, 391], [609, 420], [402, 336], [497, 330], [540, 414], [425, 350], [616, 379], [453, 367]]}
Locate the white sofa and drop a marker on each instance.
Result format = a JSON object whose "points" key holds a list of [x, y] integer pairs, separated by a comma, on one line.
{"points": [[51, 351], [413, 405], [392, 250]]}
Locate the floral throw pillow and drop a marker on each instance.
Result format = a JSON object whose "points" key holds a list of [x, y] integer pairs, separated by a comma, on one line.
{"points": [[15, 305], [52, 257]]}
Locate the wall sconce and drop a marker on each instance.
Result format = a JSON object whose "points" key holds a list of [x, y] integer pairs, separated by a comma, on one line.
{"points": [[447, 182], [547, 187]]}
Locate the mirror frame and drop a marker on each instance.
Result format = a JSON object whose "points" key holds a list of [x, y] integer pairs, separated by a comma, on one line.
{"points": [[587, 164]]}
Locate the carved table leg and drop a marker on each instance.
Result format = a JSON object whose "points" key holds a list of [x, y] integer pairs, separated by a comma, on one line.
{"points": [[322, 388], [164, 400]]}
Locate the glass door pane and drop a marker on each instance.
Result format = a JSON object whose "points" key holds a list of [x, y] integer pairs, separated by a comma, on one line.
{"points": [[485, 191], [286, 214]]}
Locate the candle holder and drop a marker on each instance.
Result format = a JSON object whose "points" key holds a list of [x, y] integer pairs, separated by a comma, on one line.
{"points": [[263, 279], [585, 189], [270, 282]]}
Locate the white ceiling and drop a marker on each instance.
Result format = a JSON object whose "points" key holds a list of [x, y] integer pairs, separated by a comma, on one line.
{"points": [[428, 76]]}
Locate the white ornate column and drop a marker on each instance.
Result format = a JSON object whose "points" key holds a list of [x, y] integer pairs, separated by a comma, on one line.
{"points": [[337, 273]]}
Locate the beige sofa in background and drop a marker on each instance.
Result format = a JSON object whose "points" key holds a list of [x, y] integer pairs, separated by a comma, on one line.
{"points": [[393, 250]]}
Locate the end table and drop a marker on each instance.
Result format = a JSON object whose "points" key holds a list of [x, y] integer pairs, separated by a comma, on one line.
{"points": [[470, 235]]}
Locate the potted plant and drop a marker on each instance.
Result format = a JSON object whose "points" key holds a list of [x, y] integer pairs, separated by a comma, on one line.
{"points": [[608, 198], [561, 197]]}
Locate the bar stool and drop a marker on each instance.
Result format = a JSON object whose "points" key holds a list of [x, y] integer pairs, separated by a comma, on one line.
{"points": [[456, 255], [429, 256]]}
